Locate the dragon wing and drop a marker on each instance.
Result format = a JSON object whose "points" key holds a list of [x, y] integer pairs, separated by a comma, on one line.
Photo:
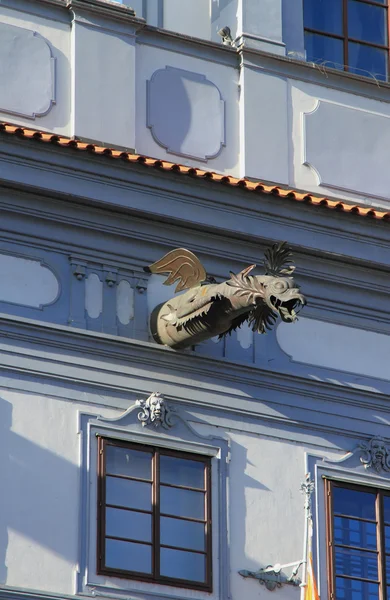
{"points": [[182, 265]]}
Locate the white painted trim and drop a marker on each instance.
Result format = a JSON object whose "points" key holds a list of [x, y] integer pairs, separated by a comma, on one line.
{"points": [[182, 437], [321, 468]]}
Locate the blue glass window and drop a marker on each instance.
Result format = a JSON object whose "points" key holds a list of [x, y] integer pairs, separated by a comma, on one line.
{"points": [[358, 542], [154, 515], [324, 50], [367, 22], [324, 15], [350, 35], [368, 61]]}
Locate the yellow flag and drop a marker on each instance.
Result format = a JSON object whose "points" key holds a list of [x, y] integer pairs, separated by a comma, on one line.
{"points": [[311, 592]]}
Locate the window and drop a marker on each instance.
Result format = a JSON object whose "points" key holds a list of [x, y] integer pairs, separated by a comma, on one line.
{"points": [[358, 529], [350, 35], [154, 515]]}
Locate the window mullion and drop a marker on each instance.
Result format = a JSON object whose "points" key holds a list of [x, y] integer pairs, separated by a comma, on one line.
{"points": [[156, 514], [388, 39], [345, 31], [101, 499], [329, 538], [381, 546], [208, 516]]}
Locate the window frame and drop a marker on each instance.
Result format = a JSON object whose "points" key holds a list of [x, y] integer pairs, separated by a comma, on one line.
{"points": [[346, 39], [330, 484], [156, 545]]}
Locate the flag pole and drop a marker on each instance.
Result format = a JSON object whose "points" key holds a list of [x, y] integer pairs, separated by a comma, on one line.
{"points": [[307, 488]]}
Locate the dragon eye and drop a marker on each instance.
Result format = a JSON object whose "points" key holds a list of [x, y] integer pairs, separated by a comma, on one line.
{"points": [[279, 285]]}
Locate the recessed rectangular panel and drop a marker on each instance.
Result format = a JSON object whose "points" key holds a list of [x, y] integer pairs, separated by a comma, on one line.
{"points": [[27, 72]]}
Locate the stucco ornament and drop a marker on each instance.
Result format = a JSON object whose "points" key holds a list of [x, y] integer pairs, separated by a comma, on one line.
{"points": [[155, 411], [209, 309], [375, 454]]}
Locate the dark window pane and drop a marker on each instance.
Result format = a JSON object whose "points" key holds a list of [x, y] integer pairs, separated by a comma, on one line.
{"points": [[367, 61], [354, 503], [386, 508], [387, 565], [128, 524], [182, 565], [182, 503], [350, 589], [356, 564], [183, 534], [387, 539], [124, 461], [367, 22], [355, 533], [180, 471], [128, 556], [324, 15], [324, 50], [132, 494]]}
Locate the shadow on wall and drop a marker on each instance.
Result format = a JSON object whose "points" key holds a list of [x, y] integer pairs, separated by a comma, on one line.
{"points": [[238, 504], [186, 114], [36, 503]]}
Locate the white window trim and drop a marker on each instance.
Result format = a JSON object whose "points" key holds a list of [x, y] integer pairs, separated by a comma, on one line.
{"points": [[181, 437], [347, 469]]}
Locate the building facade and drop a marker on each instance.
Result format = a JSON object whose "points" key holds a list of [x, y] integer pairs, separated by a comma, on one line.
{"points": [[131, 470]]}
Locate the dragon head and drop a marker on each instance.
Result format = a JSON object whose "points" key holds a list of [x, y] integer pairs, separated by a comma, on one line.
{"points": [[283, 297], [268, 296]]}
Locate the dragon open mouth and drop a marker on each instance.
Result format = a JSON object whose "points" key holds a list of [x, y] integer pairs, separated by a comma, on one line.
{"points": [[288, 309]]}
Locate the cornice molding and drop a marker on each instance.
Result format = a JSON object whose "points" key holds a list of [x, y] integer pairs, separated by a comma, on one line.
{"points": [[190, 46], [187, 191], [335, 307], [55, 10], [308, 72], [280, 385], [15, 593], [108, 16]]}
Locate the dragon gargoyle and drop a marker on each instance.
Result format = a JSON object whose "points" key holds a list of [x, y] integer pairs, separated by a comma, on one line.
{"points": [[208, 309]]}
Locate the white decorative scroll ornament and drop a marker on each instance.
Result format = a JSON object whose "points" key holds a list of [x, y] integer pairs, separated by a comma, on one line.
{"points": [[375, 454], [155, 411]]}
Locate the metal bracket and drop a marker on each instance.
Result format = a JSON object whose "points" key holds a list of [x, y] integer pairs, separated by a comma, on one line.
{"points": [[272, 576]]}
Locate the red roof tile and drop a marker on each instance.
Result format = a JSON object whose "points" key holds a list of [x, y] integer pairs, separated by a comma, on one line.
{"points": [[255, 186]]}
